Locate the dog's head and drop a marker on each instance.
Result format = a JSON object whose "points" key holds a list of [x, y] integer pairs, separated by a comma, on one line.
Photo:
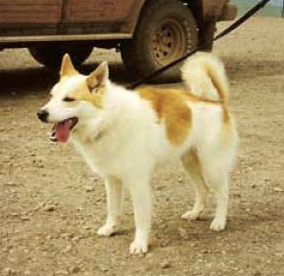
{"points": [[75, 99]]}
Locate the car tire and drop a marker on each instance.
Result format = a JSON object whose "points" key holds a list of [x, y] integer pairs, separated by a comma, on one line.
{"points": [[165, 32], [51, 55]]}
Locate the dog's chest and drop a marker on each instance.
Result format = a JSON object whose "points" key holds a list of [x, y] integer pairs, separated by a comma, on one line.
{"points": [[102, 158]]}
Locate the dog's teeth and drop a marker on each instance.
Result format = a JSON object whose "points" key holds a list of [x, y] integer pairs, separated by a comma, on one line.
{"points": [[53, 139]]}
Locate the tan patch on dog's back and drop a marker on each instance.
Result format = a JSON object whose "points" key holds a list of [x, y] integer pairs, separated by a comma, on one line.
{"points": [[170, 106]]}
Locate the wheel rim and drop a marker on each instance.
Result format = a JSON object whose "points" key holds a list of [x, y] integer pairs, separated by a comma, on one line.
{"points": [[168, 42]]}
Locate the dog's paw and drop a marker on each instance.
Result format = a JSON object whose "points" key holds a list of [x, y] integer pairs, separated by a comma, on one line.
{"points": [[106, 230], [218, 224], [138, 247], [191, 215]]}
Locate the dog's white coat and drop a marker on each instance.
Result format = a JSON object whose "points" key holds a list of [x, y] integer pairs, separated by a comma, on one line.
{"points": [[124, 142]]}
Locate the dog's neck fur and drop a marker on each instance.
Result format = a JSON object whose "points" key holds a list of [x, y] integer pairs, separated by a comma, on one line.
{"points": [[117, 103]]}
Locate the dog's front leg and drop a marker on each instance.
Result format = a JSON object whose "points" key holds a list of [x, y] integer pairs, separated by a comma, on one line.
{"points": [[115, 196], [141, 196]]}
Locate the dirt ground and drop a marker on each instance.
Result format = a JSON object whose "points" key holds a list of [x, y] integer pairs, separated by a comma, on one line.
{"points": [[51, 203]]}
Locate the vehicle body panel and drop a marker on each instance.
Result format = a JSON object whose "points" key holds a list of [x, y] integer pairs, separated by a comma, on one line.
{"points": [[30, 11], [24, 21], [83, 11]]}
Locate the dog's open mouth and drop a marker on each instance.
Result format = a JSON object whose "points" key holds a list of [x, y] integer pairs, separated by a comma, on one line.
{"points": [[61, 131]]}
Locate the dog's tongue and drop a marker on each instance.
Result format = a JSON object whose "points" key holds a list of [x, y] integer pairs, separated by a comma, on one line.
{"points": [[62, 130]]}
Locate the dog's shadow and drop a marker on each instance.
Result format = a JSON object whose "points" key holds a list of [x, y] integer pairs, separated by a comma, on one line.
{"points": [[175, 232], [39, 80]]}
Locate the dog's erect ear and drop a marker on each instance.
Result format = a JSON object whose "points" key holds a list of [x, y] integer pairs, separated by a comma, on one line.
{"points": [[99, 76], [67, 67]]}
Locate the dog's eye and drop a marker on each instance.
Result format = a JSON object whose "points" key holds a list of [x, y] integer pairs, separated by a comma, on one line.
{"points": [[68, 99]]}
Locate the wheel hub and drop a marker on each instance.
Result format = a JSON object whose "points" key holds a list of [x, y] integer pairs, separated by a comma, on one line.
{"points": [[168, 42]]}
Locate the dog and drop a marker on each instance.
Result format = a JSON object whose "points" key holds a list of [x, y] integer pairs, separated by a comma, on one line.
{"points": [[124, 135]]}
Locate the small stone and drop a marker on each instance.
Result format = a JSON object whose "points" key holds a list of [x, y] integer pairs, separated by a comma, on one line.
{"points": [[183, 233], [104, 269], [89, 188], [61, 272], [165, 264], [74, 269], [278, 189], [24, 218], [67, 249], [49, 237], [165, 243], [149, 255], [76, 239], [279, 254], [253, 185], [9, 183], [49, 208], [39, 206], [5, 250], [67, 235], [8, 271], [87, 227]]}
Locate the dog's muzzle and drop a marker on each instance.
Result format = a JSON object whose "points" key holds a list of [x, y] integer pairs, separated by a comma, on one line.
{"points": [[42, 114]]}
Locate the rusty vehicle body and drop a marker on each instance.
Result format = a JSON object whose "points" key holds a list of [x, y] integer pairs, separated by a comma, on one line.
{"points": [[92, 23]]}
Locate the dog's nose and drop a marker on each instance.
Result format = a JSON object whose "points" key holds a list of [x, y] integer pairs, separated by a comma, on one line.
{"points": [[42, 114]]}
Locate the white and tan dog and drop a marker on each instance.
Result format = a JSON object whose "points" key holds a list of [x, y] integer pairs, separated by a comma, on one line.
{"points": [[124, 135]]}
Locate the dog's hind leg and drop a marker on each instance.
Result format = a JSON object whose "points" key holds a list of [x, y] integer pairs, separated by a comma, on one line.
{"points": [[115, 197], [192, 166], [216, 172]]}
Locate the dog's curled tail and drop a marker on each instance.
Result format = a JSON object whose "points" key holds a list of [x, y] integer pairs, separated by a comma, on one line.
{"points": [[205, 76]]}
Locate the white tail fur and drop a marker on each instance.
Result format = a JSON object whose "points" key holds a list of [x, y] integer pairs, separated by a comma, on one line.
{"points": [[205, 76]]}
